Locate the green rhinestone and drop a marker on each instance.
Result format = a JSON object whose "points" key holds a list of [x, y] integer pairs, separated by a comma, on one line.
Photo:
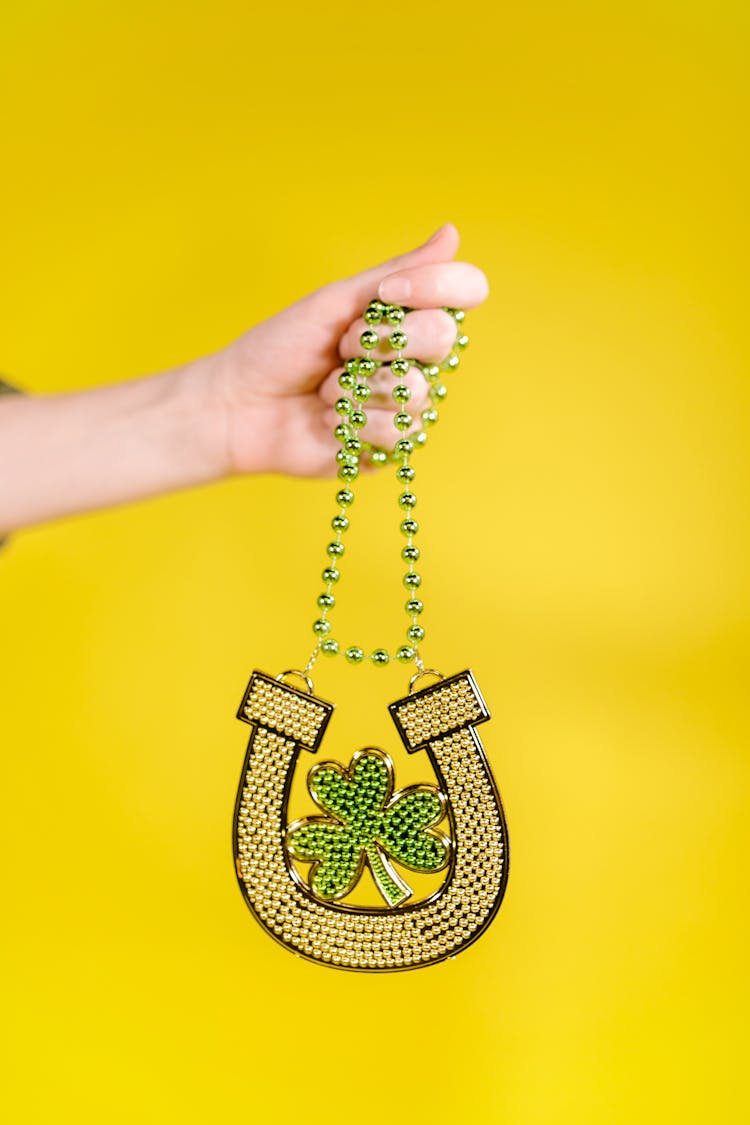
{"points": [[407, 500], [409, 527], [354, 655], [340, 523], [379, 457], [352, 366], [394, 314], [321, 627], [402, 420], [367, 366], [405, 654], [358, 419], [343, 406], [404, 445], [344, 497], [429, 416], [353, 445], [348, 472], [400, 367], [462, 341], [372, 315], [401, 393], [398, 341], [331, 574], [361, 392], [326, 601], [410, 554], [414, 607], [406, 473], [369, 339], [415, 633], [412, 580], [335, 550], [347, 380], [379, 657]]}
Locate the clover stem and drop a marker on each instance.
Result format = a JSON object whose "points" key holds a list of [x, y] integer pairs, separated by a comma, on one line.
{"points": [[390, 884]]}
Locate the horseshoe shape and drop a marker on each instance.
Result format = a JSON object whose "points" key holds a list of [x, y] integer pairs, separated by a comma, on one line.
{"points": [[439, 720]]}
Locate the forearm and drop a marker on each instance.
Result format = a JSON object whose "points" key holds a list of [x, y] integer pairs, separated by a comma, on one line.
{"points": [[67, 453]]}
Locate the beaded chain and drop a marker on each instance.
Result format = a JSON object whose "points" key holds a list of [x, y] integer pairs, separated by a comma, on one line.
{"points": [[353, 418]]}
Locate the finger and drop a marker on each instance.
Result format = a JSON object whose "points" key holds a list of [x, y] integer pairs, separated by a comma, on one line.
{"points": [[453, 284], [341, 301], [430, 334], [381, 385]]}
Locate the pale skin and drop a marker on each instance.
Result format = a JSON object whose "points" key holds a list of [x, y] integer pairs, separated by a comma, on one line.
{"points": [[263, 404]]}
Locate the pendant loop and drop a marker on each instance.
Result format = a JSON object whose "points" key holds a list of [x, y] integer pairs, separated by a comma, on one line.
{"points": [[302, 676], [424, 672]]}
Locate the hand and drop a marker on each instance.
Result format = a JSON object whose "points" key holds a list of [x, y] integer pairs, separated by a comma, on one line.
{"points": [[277, 384]]}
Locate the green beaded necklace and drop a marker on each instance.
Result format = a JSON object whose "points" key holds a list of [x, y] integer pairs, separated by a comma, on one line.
{"points": [[299, 877], [353, 380]]}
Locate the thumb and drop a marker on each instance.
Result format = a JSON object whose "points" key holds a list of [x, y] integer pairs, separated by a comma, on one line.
{"points": [[349, 296]]}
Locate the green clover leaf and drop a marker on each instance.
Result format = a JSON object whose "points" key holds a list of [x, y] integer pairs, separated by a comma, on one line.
{"points": [[367, 823]]}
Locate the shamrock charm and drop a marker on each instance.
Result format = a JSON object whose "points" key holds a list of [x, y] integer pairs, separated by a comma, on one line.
{"points": [[367, 823]]}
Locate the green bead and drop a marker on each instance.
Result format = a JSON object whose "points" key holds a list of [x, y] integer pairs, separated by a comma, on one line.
{"points": [[409, 527], [372, 316], [348, 472], [438, 392], [345, 458], [394, 314], [458, 315], [329, 647], [429, 416], [335, 550], [462, 341], [406, 473], [352, 366], [402, 420], [405, 654], [343, 406], [414, 607], [412, 580], [367, 366], [407, 500], [420, 438], [358, 419], [404, 445], [401, 393], [410, 554], [355, 655], [326, 601], [347, 380], [342, 431], [398, 341], [376, 303], [353, 445], [432, 371], [331, 574], [369, 340], [344, 497], [380, 657], [340, 523], [452, 362], [400, 367], [321, 627], [379, 457], [361, 392], [415, 633]]}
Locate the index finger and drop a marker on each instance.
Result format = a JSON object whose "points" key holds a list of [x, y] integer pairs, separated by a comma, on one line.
{"points": [[449, 284]]}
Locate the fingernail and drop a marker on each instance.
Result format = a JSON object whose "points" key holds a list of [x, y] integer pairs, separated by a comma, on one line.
{"points": [[435, 236], [395, 289]]}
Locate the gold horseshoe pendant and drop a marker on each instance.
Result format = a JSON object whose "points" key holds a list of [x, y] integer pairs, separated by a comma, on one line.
{"points": [[364, 823]]}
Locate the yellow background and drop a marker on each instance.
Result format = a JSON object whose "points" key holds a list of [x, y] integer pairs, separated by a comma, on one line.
{"points": [[172, 173]]}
